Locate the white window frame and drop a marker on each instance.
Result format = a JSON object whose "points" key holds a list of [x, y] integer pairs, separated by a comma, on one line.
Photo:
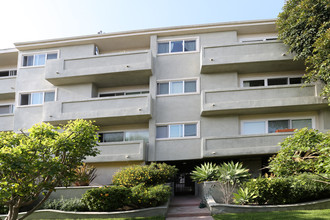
{"points": [[265, 79], [179, 123], [178, 80], [125, 93], [38, 53], [276, 119], [258, 39], [10, 73], [43, 97], [12, 108], [124, 131], [178, 39]]}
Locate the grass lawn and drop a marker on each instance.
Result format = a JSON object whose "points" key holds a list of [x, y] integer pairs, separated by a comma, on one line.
{"points": [[285, 215]]}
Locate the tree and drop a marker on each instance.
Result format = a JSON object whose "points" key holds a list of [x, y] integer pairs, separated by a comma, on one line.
{"points": [[35, 163], [304, 25], [305, 151]]}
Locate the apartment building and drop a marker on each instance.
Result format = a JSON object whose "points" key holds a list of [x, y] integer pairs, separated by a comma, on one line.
{"points": [[181, 95]]}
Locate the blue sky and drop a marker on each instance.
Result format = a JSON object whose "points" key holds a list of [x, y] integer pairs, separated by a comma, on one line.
{"points": [[30, 20]]}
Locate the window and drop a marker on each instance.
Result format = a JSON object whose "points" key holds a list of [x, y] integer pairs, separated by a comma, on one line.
{"points": [[176, 130], [38, 59], [251, 40], [178, 46], [37, 98], [273, 81], [176, 87], [274, 126], [111, 94], [124, 136], [6, 109], [8, 73]]}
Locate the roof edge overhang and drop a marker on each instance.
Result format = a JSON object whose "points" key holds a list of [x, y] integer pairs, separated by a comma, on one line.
{"points": [[239, 26]]}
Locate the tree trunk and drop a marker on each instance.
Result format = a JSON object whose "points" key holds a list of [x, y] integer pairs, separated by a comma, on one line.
{"points": [[12, 213]]}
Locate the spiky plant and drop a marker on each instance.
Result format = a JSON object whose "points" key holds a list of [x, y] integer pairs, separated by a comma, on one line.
{"points": [[233, 172], [206, 172]]}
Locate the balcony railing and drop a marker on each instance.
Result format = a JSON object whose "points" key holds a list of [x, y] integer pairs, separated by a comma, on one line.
{"points": [[7, 87], [134, 108], [242, 145], [119, 152], [243, 57], [261, 99], [101, 68]]}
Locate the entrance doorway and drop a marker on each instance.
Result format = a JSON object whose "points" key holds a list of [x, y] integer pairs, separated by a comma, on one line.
{"points": [[183, 185]]}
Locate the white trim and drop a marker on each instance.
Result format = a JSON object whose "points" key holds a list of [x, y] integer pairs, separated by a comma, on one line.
{"points": [[197, 79], [36, 91], [37, 53], [179, 123], [265, 78], [257, 39], [183, 39], [266, 120]]}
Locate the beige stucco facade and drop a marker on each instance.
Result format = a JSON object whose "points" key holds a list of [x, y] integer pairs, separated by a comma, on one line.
{"points": [[225, 56]]}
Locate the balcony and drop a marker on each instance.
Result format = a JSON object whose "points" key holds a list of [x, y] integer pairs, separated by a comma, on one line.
{"points": [[255, 100], [105, 111], [120, 152], [242, 145], [103, 70], [7, 87], [7, 122], [248, 57]]}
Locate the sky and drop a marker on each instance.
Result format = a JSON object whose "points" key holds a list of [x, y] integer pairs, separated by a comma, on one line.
{"points": [[32, 20]]}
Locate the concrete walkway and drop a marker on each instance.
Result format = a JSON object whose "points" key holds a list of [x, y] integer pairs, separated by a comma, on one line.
{"points": [[187, 207]]}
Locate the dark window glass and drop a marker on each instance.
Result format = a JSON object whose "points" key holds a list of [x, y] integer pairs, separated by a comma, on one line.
{"points": [[253, 83], [163, 47], [276, 125], [190, 130], [189, 86], [28, 60], [51, 56], [107, 95], [4, 73], [113, 137], [162, 88], [296, 80], [25, 99], [5, 109], [190, 45], [162, 132], [49, 96], [277, 81], [176, 46]]}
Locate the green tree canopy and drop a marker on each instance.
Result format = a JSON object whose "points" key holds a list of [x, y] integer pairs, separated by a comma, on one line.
{"points": [[305, 151], [37, 162], [304, 25]]}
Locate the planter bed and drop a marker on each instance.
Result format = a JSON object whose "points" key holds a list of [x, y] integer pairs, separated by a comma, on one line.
{"points": [[217, 208], [57, 214]]}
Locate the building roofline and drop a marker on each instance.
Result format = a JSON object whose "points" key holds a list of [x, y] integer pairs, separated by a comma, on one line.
{"points": [[163, 31], [8, 50]]}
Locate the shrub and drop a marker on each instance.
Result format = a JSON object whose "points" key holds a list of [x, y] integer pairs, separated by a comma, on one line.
{"points": [[244, 196], [288, 190], [73, 204], [305, 151], [152, 174], [107, 198], [3, 209], [144, 196], [206, 172]]}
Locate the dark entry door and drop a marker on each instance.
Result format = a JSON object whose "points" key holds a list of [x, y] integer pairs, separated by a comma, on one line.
{"points": [[183, 185]]}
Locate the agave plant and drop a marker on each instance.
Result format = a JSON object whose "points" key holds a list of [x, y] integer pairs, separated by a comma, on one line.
{"points": [[206, 172], [230, 176], [86, 174], [233, 172], [244, 196]]}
